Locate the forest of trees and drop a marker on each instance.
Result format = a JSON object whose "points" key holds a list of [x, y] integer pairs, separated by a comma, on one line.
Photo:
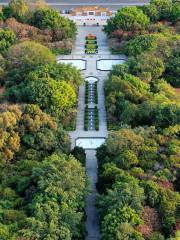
{"points": [[43, 183], [144, 91], [139, 174], [21, 20]]}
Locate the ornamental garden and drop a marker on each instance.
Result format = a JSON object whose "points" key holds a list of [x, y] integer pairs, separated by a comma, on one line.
{"points": [[91, 46]]}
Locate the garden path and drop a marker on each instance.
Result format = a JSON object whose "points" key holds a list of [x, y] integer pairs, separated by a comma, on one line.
{"points": [[92, 222]]}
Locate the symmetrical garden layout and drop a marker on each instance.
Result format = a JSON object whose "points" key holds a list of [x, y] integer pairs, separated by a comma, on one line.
{"points": [[91, 54]]}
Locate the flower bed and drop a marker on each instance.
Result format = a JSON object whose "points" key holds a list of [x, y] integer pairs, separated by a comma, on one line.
{"points": [[91, 37], [91, 46], [91, 41], [91, 51]]}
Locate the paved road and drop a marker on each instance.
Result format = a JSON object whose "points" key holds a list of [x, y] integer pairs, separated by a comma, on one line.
{"points": [[70, 4]]}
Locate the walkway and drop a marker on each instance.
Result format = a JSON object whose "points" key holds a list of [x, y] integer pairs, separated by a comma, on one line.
{"points": [[92, 223]]}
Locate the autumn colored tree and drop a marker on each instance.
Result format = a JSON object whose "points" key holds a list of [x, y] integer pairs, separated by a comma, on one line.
{"points": [[27, 132]]}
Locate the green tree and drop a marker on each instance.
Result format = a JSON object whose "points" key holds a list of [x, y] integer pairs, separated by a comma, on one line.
{"points": [[7, 38], [127, 19], [141, 44], [59, 72], [27, 132], [112, 222], [4, 232], [55, 97], [151, 11], [1, 16], [127, 159], [125, 192], [123, 140], [172, 72], [57, 207], [164, 7], [148, 70], [62, 28], [151, 190], [175, 12], [79, 154], [126, 232], [24, 57], [156, 236], [167, 114], [2, 69], [18, 9]]}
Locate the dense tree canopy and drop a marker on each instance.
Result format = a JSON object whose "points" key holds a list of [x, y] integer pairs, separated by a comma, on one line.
{"points": [[147, 181], [173, 68], [43, 183], [59, 72], [141, 154], [27, 55], [34, 20], [28, 132], [45, 199], [143, 100], [53, 96], [36, 78], [140, 44], [129, 19], [51, 19]]}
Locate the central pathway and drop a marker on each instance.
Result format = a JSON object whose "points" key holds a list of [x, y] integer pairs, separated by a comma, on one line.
{"points": [[92, 222]]}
